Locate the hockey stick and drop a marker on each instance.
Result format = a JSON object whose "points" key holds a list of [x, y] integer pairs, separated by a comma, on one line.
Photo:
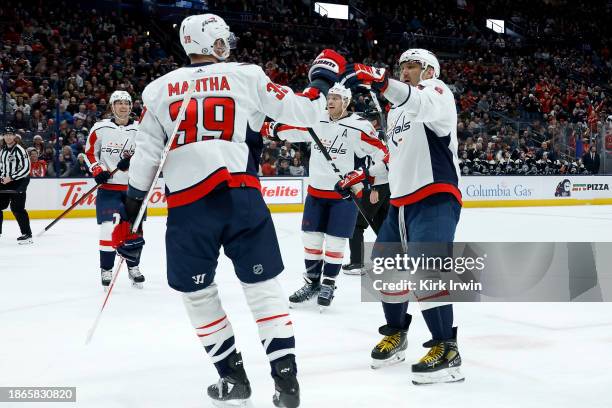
{"points": [[383, 120], [10, 192], [143, 207], [79, 201], [341, 176]]}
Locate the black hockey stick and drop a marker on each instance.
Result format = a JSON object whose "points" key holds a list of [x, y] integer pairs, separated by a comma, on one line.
{"points": [[80, 200], [358, 203], [383, 120], [10, 192]]}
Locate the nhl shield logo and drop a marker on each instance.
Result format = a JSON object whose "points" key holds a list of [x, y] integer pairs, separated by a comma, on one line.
{"points": [[258, 269]]}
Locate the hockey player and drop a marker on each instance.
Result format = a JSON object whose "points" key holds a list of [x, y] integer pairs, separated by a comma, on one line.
{"points": [[375, 201], [329, 216], [110, 145], [214, 197], [425, 198]]}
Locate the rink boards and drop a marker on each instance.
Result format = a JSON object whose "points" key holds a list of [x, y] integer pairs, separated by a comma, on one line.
{"points": [[48, 198]]}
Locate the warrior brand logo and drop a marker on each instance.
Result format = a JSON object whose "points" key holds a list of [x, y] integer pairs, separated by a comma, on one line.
{"points": [[332, 149], [258, 269], [325, 62], [198, 279]]}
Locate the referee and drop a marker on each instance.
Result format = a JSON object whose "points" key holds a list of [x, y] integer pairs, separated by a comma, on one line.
{"points": [[14, 180]]}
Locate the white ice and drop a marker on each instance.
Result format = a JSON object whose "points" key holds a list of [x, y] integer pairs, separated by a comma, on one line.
{"points": [[145, 353]]}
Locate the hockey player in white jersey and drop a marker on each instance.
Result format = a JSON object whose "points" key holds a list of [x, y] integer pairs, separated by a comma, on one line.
{"points": [[214, 197], [329, 214], [110, 145], [425, 200]]}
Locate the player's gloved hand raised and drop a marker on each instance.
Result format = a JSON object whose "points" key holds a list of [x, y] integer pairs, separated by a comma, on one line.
{"points": [[352, 181], [328, 65], [101, 175], [365, 75], [124, 163], [268, 131]]}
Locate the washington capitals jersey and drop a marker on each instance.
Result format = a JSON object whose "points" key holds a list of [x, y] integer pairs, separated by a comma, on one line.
{"points": [[217, 136], [422, 141], [108, 143], [344, 139]]}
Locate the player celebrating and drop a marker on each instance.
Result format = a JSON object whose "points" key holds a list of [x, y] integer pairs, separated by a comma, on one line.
{"points": [[329, 216], [214, 197], [425, 198], [110, 145]]}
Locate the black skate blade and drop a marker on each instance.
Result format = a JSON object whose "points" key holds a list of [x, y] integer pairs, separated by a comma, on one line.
{"points": [[399, 357]]}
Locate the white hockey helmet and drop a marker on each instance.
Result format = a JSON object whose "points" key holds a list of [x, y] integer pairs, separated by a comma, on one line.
{"points": [[424, 57], [341, 90], [119, 96], [200, 33]]}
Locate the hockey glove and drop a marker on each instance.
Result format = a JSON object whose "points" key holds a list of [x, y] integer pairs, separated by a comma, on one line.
{"points": [[268, 131], [353, 181], [101, 175], [327, 66], [127, 243], [364, 75], [124, 164]]}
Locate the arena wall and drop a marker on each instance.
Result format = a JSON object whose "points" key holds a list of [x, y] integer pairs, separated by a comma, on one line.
{"points": [[48, 198]]}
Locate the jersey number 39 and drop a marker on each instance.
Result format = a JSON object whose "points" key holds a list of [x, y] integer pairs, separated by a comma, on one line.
{"points": [[205, 119]]}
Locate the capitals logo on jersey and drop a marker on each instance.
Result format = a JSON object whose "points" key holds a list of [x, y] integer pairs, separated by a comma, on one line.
{"points": [[335, 146]]}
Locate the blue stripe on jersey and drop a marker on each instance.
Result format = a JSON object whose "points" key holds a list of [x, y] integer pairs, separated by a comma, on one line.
{"points": [[254, 141], [441, 157]]}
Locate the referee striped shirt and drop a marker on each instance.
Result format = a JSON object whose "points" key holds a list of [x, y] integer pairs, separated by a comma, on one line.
{"points": [[14, 162]]}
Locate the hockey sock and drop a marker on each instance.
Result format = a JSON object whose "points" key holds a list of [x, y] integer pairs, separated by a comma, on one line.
{"points": [[334, 253], [439, 321], [313, 269], [212, 326], [395, 314], [271, 313], [107, 259]]}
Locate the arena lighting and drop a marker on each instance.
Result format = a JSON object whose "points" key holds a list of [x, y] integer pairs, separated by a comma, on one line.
{"points": [[496, 25], [329, 10]]}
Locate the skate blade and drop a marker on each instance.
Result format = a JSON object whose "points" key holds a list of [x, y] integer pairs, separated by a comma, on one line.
{"points": [[447, 375], [137, 285], [354, 272], [302, 305], [105, 288], [25, 242], [399, 357], [238, 403]]}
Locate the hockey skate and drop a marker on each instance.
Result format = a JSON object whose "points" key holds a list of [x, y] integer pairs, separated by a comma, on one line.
{"points": [[392, 348], [306, 293], [353, 269], [233, 390], [326, 293], [441, 364], [136, 277], [107, 277], [287, 389], [25, 239]]}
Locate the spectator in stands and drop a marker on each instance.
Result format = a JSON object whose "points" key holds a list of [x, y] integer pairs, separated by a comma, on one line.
{"points": [[268, 168], [591, 160], [38, 168], [296, 168], [67, 161], [80, 168], [283, 167], [19, 121]]}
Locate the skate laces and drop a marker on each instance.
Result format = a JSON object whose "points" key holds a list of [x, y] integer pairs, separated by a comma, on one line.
{"points": [[435, 353], [388, 343], [107, 275], [134, 271], [326, 291]]}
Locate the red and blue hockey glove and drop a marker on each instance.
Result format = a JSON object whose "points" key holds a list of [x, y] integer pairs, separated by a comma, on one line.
{"points": [[357, 75], [351, 181], [128, 244], [101, 175], [327, 66]]}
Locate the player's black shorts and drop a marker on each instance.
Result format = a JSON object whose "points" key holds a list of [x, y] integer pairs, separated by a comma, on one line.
{"points": [[235, 218]]}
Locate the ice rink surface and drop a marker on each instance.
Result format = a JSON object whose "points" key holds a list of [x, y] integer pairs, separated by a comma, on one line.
{"points": [[145, 352]]}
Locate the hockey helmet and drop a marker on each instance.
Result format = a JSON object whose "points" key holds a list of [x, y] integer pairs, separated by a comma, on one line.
{"points": [[200, 33], [424, 57], [119, 96]]}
